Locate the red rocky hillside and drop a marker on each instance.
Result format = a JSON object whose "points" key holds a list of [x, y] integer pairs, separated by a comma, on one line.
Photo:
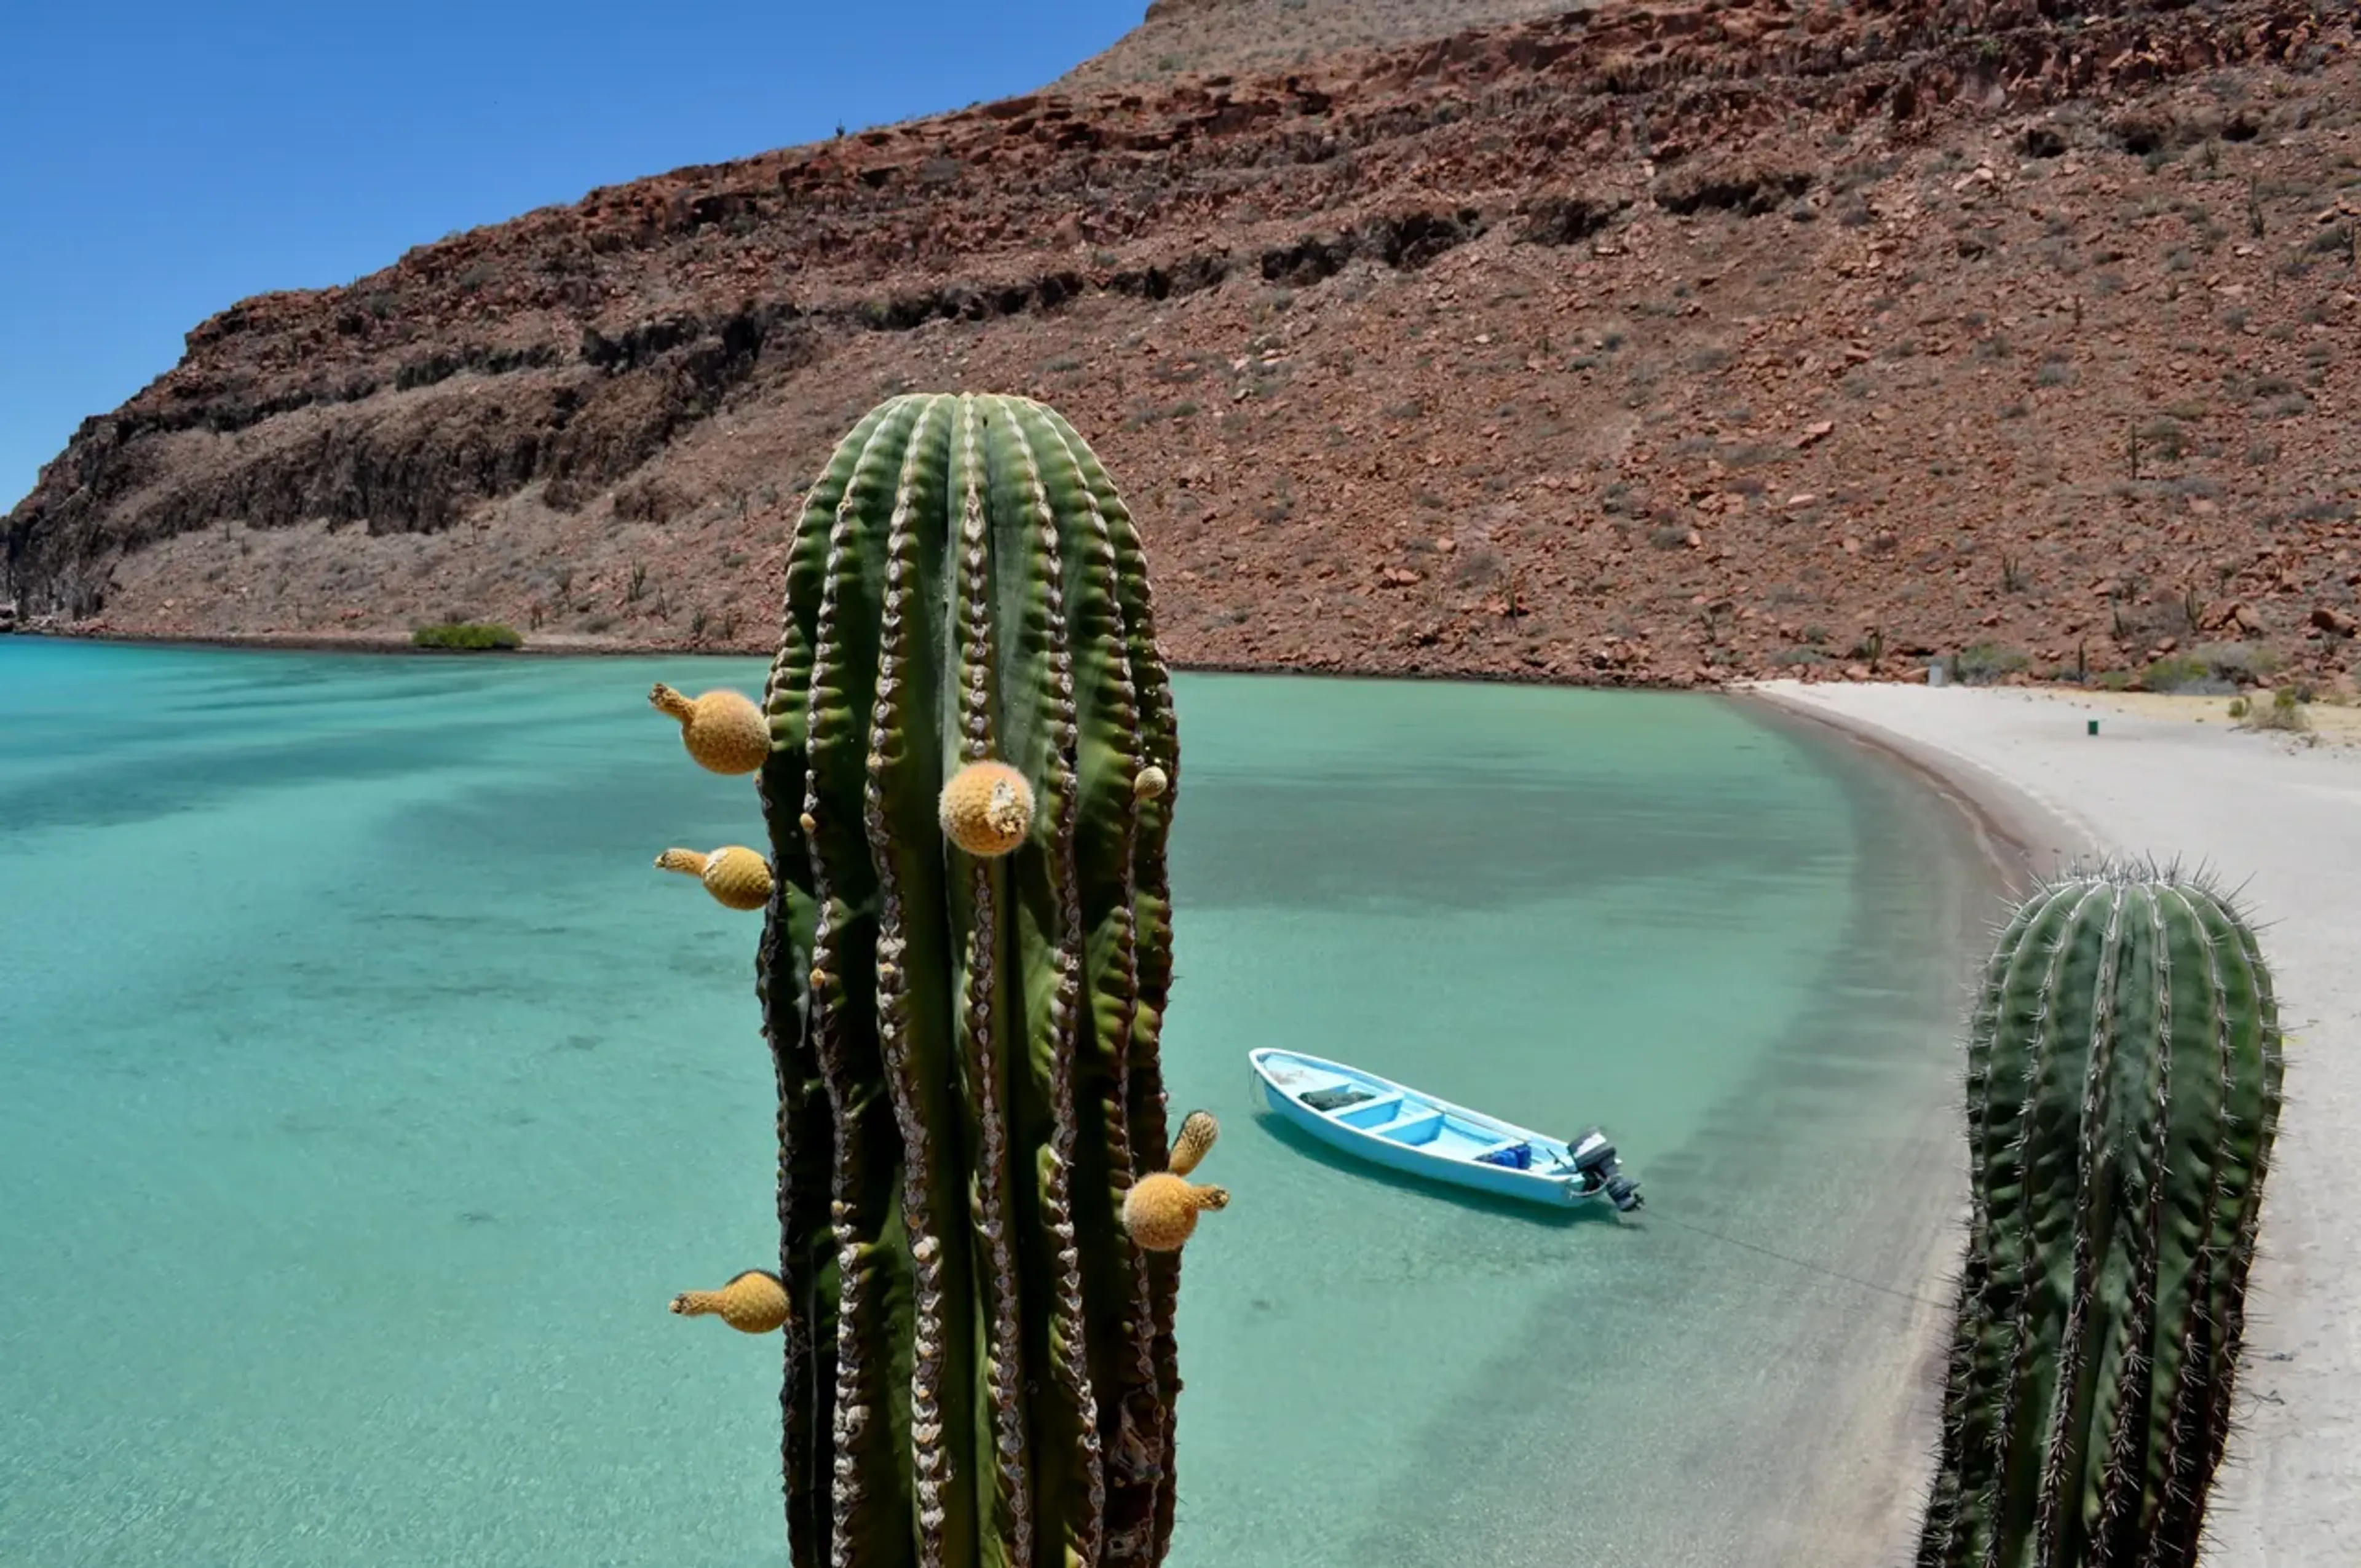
{"points": [[1648, 343]]}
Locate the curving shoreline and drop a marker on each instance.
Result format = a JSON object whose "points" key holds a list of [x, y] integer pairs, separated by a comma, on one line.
{"points": [[2035, 790], [2282, 819], [1872, 1419]]}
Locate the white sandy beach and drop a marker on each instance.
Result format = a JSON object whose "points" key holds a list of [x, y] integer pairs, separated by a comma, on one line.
{"points": [[2281, 817]]}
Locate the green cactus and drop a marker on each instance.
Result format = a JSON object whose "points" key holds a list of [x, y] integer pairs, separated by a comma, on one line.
{"points": [[963, 973], [2124, 1087]]}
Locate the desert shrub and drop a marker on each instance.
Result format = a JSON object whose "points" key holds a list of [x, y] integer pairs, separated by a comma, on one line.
{"points": [[2246, 662], [469, 636], [2177, 673], [2284, 712], [2212, 669], [1986, 663]]}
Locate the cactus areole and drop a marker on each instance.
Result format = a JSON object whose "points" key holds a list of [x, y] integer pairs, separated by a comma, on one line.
{"points": [[963, 1001], [2124, 1070]]}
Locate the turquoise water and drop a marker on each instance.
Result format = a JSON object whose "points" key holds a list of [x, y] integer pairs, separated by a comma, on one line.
{"points": [[365, 1095]]}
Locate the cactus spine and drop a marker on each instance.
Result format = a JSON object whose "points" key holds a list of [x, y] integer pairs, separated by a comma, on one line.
{"points": [[2123, 1089], [969, 772]]}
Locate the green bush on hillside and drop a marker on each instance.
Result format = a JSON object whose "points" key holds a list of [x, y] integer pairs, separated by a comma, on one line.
{"points": [[2212, 669], [467, 635], [1986, 663]]}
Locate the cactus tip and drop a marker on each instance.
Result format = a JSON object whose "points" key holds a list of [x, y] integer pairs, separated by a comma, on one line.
{"points": [[987, 808]]}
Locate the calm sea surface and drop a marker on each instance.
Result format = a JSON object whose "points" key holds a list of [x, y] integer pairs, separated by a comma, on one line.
{"points": [[365, 1095]]}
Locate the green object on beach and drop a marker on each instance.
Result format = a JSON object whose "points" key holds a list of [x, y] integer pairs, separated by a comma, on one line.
{"points": [[2094, 729], [963, 973], [2123, 1089], [467, 636]]}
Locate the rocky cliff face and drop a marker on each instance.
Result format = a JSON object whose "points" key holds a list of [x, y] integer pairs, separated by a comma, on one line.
{"points": [[1177, 38], [1655, 342]]}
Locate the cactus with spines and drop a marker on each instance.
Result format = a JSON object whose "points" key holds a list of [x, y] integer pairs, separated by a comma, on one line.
{"points": [[2124, 1090], [969, 768]]}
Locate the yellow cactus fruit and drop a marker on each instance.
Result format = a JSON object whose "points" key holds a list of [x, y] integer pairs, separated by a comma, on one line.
{"points": [[1198, 1131], [736, 876], [1160, 1210], [987, 808], [724, 730], [754, 1303], [1148, 783]]}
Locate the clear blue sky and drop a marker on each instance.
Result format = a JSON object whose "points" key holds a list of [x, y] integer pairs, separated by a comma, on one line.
{"points": [[158, 161]]}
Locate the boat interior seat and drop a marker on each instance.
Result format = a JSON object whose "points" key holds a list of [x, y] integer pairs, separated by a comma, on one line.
{"points": [[1415, 1128], [1369, 1113]]}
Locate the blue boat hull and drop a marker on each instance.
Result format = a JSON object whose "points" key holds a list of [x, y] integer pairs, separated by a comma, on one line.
{"points": [[1386, 1124]]}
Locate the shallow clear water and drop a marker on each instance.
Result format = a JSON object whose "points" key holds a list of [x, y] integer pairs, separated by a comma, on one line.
{"points": [[365, 1095]]}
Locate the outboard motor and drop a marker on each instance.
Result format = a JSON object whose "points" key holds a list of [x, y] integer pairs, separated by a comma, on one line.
{"points": [[1594, 1158]]}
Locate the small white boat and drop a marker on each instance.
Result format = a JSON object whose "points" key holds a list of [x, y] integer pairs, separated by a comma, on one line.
{"points": [[1384, 1123]]}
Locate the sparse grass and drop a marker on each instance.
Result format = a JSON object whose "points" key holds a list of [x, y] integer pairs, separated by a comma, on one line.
{"points": [[467, 636], [2165, 438]]}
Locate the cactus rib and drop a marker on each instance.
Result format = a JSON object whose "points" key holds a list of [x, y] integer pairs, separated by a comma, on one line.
{"points": [[807, 1126], [1146, 1430], [871, 1524]]}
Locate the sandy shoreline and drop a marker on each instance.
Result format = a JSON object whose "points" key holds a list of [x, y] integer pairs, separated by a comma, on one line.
{"points": [[2280, 816]]}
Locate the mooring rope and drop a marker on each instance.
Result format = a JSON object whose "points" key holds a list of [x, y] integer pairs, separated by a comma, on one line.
{"points": [[1802, 1263]]}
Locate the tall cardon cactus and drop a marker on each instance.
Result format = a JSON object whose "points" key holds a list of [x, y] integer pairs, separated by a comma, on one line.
{"points": [[2124, 1084], [970, 764]]}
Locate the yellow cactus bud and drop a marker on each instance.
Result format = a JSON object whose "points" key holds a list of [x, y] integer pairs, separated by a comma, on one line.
{"points": [[724, 730], [987, 808], [1160, 1210], [754, 1303], [1148, 783], [1198, 1131], [737, 877]]}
